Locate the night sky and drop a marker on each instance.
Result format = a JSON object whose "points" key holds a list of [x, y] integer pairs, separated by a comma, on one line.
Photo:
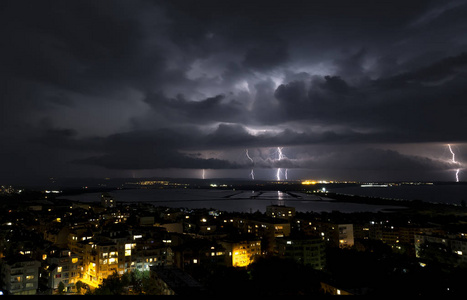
{"points": [[333, 90]]}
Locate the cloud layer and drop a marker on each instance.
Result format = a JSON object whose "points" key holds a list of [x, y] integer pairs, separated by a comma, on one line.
{"points": [[364, 89]]}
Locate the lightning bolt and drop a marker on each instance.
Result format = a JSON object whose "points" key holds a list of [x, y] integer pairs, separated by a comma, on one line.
{"points": [[280, 156], [454, 161], [252, 173]]}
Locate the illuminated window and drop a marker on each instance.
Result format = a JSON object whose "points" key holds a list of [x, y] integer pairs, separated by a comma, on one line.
{"points": [[74, 260], [59, 269]]}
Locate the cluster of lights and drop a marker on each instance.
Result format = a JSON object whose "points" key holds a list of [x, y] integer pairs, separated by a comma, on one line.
{"points": [[312, 182]]}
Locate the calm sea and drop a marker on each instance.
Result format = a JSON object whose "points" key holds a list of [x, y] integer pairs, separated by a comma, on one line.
{"points": [[229, 200], [437, 193], [251, 201]]}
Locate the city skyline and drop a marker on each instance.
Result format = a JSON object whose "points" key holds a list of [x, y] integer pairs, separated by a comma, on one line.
{"points": [[269, 90]]}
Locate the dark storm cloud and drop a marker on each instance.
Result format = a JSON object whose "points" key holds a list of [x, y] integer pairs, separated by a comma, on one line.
{"points": [[421, 106], [165, 84], [212, 109], [158, 159], [76, 45], [266, 55], [379, 159]]}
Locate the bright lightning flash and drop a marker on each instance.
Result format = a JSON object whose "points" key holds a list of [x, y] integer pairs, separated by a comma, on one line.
{"points": [[454, 161], [252, 173], [281, 156]]}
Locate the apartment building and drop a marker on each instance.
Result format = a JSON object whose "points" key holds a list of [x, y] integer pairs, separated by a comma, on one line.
{"points": [[450, 249], [241, 252], [304, 250], [334, 234], [280, 211], [266, 229], [102, 258], [20, 275], [63, 266]]}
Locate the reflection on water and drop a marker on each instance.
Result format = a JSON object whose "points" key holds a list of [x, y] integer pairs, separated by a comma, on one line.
{"points": [[230, 200]]}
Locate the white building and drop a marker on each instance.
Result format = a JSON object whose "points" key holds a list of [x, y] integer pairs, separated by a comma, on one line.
{"points": [[20, 275], [63, 266], [457, 245]]}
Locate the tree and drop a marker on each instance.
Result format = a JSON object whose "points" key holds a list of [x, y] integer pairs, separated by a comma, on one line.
{"points": [[129, 283], [79, 285], [61, 288]]}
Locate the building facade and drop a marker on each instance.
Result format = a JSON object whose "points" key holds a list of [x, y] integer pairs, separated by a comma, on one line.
{"points": [[241, 253], [305, 250], [64, 267], [20, 275], [280, 211]]}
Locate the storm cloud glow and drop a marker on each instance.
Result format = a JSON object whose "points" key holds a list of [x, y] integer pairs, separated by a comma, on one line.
{"points": [[352, 90]]}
